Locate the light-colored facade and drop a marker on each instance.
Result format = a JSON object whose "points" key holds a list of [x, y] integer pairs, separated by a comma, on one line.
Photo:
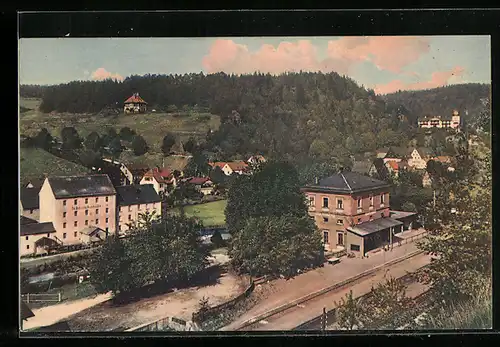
{"points": [[417, 160], [438, 122], [129, 214], [71, 214], [135, 104], [161, 179]]}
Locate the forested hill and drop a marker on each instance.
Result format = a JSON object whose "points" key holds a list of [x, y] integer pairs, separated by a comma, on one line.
{"points": [[473, 98], [295, 116]]}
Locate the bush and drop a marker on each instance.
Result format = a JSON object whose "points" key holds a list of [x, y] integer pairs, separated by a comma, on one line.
{"points": [[217, 239]]}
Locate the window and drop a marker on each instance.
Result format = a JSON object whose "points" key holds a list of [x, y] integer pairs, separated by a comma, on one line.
{"points": [[27, 237], [340, 239], [97, 221], [139, 207], [75, 234], [31, 211], [107, 219], [27, 246], [355, 248], [87, 222], [107, 210], [64, 225], [382, 199], [75, 213], [325, 202], [371, 200], [86, 201], [311, 201], [382, 215], [96, 211], [129, 217], [64, 235], [64, 214], [119, 228], [107, 199], [325, 236], [48, 235], [64, 202], [76, 223], [86, 212], [75, 202], [371, 217], [325, 219], [96, 199], [130, 208], [359, 202], [340, 222], [359, 220], [340, 204], [107, 229]]}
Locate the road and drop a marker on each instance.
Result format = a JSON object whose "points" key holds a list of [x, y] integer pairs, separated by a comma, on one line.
{"points": [[297, 315]]}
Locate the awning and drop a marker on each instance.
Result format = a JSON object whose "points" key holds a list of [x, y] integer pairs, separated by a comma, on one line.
{"points": [[374, 226]]}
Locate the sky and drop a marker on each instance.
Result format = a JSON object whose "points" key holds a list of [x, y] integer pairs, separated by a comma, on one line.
{"points": [[383, 63]]}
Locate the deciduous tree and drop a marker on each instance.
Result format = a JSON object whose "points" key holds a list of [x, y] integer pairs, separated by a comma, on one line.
{"points": [[139, 145]]}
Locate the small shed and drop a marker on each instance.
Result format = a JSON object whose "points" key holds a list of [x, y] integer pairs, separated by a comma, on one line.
{"points": [[92, 234]]}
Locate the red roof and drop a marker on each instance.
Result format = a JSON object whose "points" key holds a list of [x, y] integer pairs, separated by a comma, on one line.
{"points": [[135, 99], [199, 180], [393, 164], [220, 164], [161, 175], [238, 165]]}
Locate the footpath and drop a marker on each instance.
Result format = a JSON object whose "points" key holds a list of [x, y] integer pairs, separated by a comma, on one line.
{"points": [[282, 291]]}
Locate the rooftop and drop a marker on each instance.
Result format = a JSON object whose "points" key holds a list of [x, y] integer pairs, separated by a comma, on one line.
{"points": [[29, 198], [347, 183], [362, 167], [401, 214], [373, 226], [135, 99], [136, 194], [81, 186], [37, 228], [25, 220]]}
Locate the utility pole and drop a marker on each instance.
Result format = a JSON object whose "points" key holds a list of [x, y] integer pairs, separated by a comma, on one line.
{"points": [[434, 197], [323, 320]]}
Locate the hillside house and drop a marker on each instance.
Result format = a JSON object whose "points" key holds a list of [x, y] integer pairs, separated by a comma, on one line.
{"points": [[133, 200], [135, 104], [395, 167], [162, 180], [73, 203], [452, 122], [353, 212], [237, 167], [365, 167], [418, 157]]}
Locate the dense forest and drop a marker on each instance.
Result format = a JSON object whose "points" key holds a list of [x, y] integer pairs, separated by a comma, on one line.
{"points": [[303, 117]]}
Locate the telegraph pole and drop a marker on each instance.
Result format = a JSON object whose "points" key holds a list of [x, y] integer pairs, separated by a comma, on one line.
{"points": [[323, 320]]}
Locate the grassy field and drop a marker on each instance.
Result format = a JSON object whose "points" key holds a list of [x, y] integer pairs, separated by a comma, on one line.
{"points": [[37, 162], [152, 126], [210, 213]]}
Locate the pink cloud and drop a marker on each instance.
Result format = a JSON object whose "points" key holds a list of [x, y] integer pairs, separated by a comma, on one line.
{"points": [[390, 53], [386, 52], [438, 79], [101, 74]]}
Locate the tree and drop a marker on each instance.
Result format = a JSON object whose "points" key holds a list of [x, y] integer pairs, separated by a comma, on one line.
{"points": [[110, 268], [43, 139], [217, 239], [168, 142], [70, 138], [273, 190], [139, 145], [115, 147], [350, 312], [127, 134], [90, 158], [190, 145], [93, 142], [460, 234], [409, 207], [276, 245], [197, 166], [217, 176]]}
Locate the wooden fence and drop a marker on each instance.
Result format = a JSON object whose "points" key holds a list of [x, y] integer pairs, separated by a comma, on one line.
{"points": [[203, 315], [41, 297]]}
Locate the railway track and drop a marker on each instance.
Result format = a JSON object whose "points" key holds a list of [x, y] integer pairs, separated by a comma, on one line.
{"points": [[256, 322]]}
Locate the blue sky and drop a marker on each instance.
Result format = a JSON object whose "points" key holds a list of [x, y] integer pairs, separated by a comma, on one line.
{"points": [[382, 63]]}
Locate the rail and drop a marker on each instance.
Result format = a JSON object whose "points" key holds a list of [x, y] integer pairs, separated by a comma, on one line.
{"points": [[323, 291], [42, 297]]}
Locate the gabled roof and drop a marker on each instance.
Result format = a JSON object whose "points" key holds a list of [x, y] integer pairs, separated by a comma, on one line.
{"points": [[135, 99], [161, 175], [29, 198], [81, 186], [398, 152], [25, 220], [347, 183], [362, 167], [199, 180], [423, 151], [220, 164], [136, 194], [237, 165], [37, 228]]}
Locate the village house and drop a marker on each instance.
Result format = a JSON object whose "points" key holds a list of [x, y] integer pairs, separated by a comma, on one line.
{"points": [[135, 104], [353, 212], [92, 235], [418, 157], [230, 167], [437, 122], [133, 200], [137, 172], [256, 159], [364, 167], [29, 202], [74, 203], [36, 238], [162, 180], [202, 184]]}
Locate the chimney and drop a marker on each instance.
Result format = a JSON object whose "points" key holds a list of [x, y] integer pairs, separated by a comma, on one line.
{"points": [[316, 180]]}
